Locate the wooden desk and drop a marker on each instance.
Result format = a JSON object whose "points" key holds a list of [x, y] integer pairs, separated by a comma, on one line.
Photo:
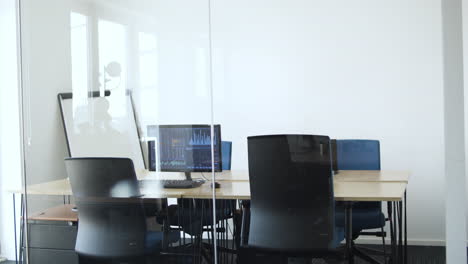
{"points": [[236, 175], [59, 213], [243, 175], [372, 176], [344, 191], [350, 186], [62, 187]]}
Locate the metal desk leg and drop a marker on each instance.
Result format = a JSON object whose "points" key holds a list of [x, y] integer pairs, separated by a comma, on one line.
{"points": [[392, 231], [395, 232], [14, 226], [406, 232], [400, 231], [18, 248], [349, 231], [22, 227], [237, 221]]}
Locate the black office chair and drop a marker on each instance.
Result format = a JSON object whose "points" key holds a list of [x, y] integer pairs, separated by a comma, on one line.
{"points": [[112, 225], [195, 216], [292, 201]]}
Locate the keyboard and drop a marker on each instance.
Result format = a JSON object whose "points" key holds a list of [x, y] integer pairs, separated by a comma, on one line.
{"points": [[172, 184]]}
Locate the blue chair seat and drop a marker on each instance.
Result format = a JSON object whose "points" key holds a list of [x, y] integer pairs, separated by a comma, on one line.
{"points": [[154, 240], [363, 218], [355, 154]]}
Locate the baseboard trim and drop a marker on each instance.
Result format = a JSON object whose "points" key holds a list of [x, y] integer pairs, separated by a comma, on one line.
{"points": [[411, 242]]}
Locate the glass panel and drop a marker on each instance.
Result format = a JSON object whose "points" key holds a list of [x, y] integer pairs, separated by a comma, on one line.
{"points": [[348, 70], [141, 87], [128, 147]]}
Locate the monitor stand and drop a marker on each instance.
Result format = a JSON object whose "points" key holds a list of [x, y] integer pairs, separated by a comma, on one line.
{"points": [[188, 176]]}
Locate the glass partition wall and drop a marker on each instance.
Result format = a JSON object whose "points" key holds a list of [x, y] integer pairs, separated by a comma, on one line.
{"points": [[349, 71], [117, 132], [180, 91]]}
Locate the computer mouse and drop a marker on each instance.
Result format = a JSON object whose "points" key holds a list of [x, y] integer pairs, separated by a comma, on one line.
{"points": [[216, 185]]}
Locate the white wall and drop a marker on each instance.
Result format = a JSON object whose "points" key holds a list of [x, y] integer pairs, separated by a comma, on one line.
{"points": [[348, 69], [10, 160]]}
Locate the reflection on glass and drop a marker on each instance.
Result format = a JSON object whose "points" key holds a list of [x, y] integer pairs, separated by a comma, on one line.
{"points": [[79, 59], [113, 49], [148, 60], [201, 73], [148, 76], [146, 64], [106, 135]]}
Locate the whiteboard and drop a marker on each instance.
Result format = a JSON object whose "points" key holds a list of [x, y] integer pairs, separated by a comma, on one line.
{"points": [[101, 127]]}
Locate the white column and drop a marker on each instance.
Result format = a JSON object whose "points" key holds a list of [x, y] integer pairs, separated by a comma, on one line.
{"points": [[10, 155], [455, 225]]}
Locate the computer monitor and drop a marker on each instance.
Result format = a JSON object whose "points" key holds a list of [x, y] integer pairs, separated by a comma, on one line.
{"points": [[186, 148]]}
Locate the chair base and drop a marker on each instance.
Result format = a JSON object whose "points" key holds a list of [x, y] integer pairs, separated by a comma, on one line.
{"points": [[248, 255], [362, 252], [368, 254], [120, 260], [368, 258]]}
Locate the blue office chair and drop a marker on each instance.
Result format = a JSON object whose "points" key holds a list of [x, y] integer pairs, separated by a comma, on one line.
{"points": [[226, 152], [196, 214], [361, 155]]}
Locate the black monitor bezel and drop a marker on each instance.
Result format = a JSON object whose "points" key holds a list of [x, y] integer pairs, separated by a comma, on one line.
{"points": [[217, 126]]}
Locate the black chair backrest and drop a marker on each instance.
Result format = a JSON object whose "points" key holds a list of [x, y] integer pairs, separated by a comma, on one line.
{"points": [[111, 217], [291, 188]]}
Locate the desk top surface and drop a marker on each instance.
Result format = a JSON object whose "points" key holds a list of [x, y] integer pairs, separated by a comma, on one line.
{"points": [[243, 175], [372, 176], [59, 213], [348, 186]]}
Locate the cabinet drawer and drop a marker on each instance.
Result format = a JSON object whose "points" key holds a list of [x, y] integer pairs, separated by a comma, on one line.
{"points": [[52, 236], [52, 256]]}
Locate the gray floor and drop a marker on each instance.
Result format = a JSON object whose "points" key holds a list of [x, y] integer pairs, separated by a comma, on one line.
{"points": [[421, 255], [416, 255]]}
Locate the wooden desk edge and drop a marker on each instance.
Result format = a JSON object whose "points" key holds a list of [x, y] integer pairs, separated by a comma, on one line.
{"points": [[57, 213]]}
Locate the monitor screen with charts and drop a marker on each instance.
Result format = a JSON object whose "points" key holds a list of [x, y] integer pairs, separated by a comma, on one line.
{"points": [[186, 148]]}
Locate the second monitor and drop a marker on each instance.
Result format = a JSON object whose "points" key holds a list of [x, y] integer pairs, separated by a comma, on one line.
{"points": [[185, 148]]}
